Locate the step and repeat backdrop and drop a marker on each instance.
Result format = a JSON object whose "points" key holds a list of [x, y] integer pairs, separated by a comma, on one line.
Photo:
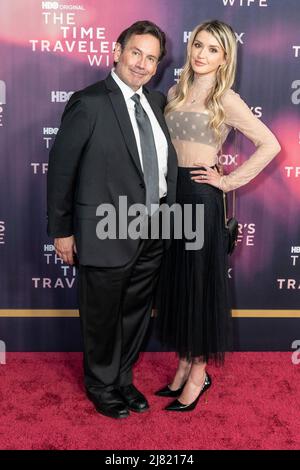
{"points": [[48, 50]]}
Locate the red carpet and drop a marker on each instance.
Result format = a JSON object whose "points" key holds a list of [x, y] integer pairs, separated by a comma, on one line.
{"points": [[254, 403]]}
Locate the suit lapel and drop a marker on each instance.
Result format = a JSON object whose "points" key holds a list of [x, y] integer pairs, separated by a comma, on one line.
{"points": [[121, 112], [172, 158]]}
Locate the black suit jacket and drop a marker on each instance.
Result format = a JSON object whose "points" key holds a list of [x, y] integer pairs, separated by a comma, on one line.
{"points": [[94, 160]]}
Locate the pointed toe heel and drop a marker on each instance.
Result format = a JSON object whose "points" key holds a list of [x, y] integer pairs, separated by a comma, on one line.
{"points": [[167, 392], [176, 405]]}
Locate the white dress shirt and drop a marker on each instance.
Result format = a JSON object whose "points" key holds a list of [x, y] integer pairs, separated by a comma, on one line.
{"points": [[160, 140]]}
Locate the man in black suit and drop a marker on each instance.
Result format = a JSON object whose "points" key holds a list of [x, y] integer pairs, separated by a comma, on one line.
{"points": [[113, 142]]}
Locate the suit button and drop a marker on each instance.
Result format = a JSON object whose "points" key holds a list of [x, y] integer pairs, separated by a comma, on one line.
{"points": [[142, 185]]}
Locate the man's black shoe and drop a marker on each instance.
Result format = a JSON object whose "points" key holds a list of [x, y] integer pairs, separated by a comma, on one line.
{"points": [[134, 399], [110, 404]]}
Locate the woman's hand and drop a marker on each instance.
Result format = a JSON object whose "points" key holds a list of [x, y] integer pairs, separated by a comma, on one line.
{"points": [[208, 176]]}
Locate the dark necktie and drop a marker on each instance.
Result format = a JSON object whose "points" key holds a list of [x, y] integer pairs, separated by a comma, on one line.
{"points": [[149, 155]]}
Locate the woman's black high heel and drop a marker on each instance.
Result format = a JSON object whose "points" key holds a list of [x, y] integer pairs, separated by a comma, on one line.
{"points": [[176, 405], [167, 392]]}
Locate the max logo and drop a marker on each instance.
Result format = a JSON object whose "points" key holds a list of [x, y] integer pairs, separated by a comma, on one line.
{"points": [[2, 353]]}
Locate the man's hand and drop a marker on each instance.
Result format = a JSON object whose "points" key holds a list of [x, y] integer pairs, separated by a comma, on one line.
{"points": [[65, 248], [154, 313]]}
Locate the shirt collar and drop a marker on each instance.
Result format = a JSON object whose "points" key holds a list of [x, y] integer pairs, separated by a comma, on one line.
{"points": [[126, 90]]}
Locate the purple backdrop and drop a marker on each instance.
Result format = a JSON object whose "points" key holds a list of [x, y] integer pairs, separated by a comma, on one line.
{"points": [[48, 50]]}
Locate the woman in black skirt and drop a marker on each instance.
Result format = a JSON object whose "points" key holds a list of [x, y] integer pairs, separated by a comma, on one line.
{"points": [[193, 309]]}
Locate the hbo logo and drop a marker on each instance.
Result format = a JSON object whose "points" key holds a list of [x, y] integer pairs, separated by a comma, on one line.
{"points": [[50, 5]]}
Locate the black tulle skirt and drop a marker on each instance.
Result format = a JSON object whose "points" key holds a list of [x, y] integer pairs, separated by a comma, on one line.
{"points": [[192, 297]]}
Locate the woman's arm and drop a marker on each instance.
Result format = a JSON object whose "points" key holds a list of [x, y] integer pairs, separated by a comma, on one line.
{"points": [[239, 116]]}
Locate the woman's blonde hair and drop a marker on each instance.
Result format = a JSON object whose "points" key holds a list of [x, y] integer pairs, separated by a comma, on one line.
{"points": [[225, 75]]}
